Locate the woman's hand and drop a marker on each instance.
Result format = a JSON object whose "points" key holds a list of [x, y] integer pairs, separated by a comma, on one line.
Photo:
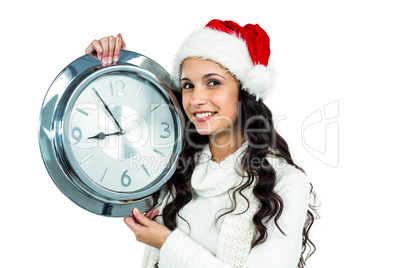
{"points": [[106, 49], [146, 230]]}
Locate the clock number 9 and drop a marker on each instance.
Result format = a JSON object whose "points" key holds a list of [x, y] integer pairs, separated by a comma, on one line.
{"points": [[125, 179], [76, 134], [166, 129]]}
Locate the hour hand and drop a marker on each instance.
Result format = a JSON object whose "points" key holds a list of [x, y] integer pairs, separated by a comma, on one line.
{"points": [[102, 136]]}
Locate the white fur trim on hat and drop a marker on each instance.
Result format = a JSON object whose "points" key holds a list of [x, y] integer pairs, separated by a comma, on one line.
{"points": [[259, 81], [230, 52]]}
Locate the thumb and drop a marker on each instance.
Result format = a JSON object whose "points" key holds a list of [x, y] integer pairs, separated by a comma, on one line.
{"points": [[142, 219]]}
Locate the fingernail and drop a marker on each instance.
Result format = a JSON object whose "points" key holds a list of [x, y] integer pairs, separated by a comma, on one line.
{"points": [[136, 211], [116, 58]]}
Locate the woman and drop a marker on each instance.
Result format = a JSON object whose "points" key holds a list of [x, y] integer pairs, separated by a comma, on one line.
{"points": [[237, 199]]}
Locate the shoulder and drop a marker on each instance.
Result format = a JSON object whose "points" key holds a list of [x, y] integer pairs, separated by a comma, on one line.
{"points": [[294, 188], [290, 181]]}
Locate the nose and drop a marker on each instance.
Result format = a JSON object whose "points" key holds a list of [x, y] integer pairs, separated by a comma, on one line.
{"points": [[198, 97]]}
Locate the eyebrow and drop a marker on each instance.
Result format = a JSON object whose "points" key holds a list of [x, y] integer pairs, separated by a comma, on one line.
{"points": [[205, 76]]}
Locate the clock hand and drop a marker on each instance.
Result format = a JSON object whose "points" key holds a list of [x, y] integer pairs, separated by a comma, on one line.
{"points": [[102, 135], [108, 110]]}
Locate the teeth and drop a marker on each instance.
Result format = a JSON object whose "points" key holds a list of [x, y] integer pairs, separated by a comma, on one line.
{"points": [[202, 115]]}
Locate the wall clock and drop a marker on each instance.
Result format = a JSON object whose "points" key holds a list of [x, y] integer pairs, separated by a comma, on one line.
{"points": [[110, 136]]}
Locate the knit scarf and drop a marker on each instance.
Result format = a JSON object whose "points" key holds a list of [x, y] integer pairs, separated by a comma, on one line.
{"points": [[237, 231]]}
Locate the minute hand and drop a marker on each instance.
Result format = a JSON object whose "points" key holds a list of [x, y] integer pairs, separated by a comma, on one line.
{"points": [[108, 110]]}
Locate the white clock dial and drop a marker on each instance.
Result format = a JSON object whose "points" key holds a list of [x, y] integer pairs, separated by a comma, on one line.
{"points": [[120, 130]]}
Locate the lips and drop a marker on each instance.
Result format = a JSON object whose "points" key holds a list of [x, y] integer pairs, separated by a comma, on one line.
{"points": [[203, 116]]}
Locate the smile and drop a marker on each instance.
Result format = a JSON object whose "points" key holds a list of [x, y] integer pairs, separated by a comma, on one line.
{"points": [[200, 117], [203, 115]]}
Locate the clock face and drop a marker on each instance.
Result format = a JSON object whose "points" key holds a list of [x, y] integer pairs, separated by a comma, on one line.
{"points": [[120, 132], [110, 136]]}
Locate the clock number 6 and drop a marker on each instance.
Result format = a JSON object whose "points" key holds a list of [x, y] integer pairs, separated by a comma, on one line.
{"points": [[125, 179], [166, 129]]}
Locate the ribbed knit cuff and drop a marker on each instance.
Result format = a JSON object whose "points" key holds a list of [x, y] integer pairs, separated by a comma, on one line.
{"points": [[180, 251], [177, 250]]}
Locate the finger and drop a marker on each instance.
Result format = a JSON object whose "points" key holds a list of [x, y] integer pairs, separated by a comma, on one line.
{"points": [[112, 43], [90, 48], [149, 213], [154, 214], [141, 218], [95, 49], [119, 42], [130, 222], [104, 42], [123, 44], [98, 48]]}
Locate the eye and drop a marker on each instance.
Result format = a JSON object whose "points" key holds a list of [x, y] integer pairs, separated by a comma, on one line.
{"points": [[213, 82], [187, 85]]}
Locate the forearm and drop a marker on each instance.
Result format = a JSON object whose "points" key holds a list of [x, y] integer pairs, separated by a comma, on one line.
{"points": [[179, 250]]}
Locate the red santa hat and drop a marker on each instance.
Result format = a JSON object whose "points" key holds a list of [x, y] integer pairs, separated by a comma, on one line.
{"points": [[244, 51]]}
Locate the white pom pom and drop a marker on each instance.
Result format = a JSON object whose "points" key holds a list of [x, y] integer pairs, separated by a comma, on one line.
{"points": [[259, 81]]}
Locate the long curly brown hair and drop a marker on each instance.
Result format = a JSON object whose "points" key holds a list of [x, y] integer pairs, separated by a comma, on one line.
{"points": [[263, 176]]}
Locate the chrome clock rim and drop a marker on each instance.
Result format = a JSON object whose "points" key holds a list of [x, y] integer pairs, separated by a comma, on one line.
{"points": [[91, 197]]}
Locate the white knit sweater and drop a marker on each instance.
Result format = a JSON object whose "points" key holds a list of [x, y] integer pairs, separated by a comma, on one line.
{"points": [[227, 243]]}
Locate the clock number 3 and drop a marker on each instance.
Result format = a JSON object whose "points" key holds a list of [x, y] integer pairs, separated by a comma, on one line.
{"points": [[166, 129], [125, 179]]}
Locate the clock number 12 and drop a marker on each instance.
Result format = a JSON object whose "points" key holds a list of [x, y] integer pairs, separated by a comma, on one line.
{"points": [[120, 93]]}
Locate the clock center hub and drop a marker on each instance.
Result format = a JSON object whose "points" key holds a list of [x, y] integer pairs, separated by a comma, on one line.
{"points": [[132, 139]]}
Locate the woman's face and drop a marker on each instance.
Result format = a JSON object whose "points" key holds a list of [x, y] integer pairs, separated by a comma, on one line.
{"points": [[210, 94]]}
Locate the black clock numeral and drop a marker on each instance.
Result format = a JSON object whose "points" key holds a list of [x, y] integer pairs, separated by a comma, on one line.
{"points": [[125, 179], [166, 129], [76, 133]]}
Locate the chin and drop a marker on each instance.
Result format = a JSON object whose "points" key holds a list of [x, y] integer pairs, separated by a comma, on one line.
{"points": [[204, 131]]}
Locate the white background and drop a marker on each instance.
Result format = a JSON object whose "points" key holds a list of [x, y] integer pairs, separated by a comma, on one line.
{"points": [[342, 55]]}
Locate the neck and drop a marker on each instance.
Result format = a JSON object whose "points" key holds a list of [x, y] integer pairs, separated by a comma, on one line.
{"points": [[224, 145]]}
